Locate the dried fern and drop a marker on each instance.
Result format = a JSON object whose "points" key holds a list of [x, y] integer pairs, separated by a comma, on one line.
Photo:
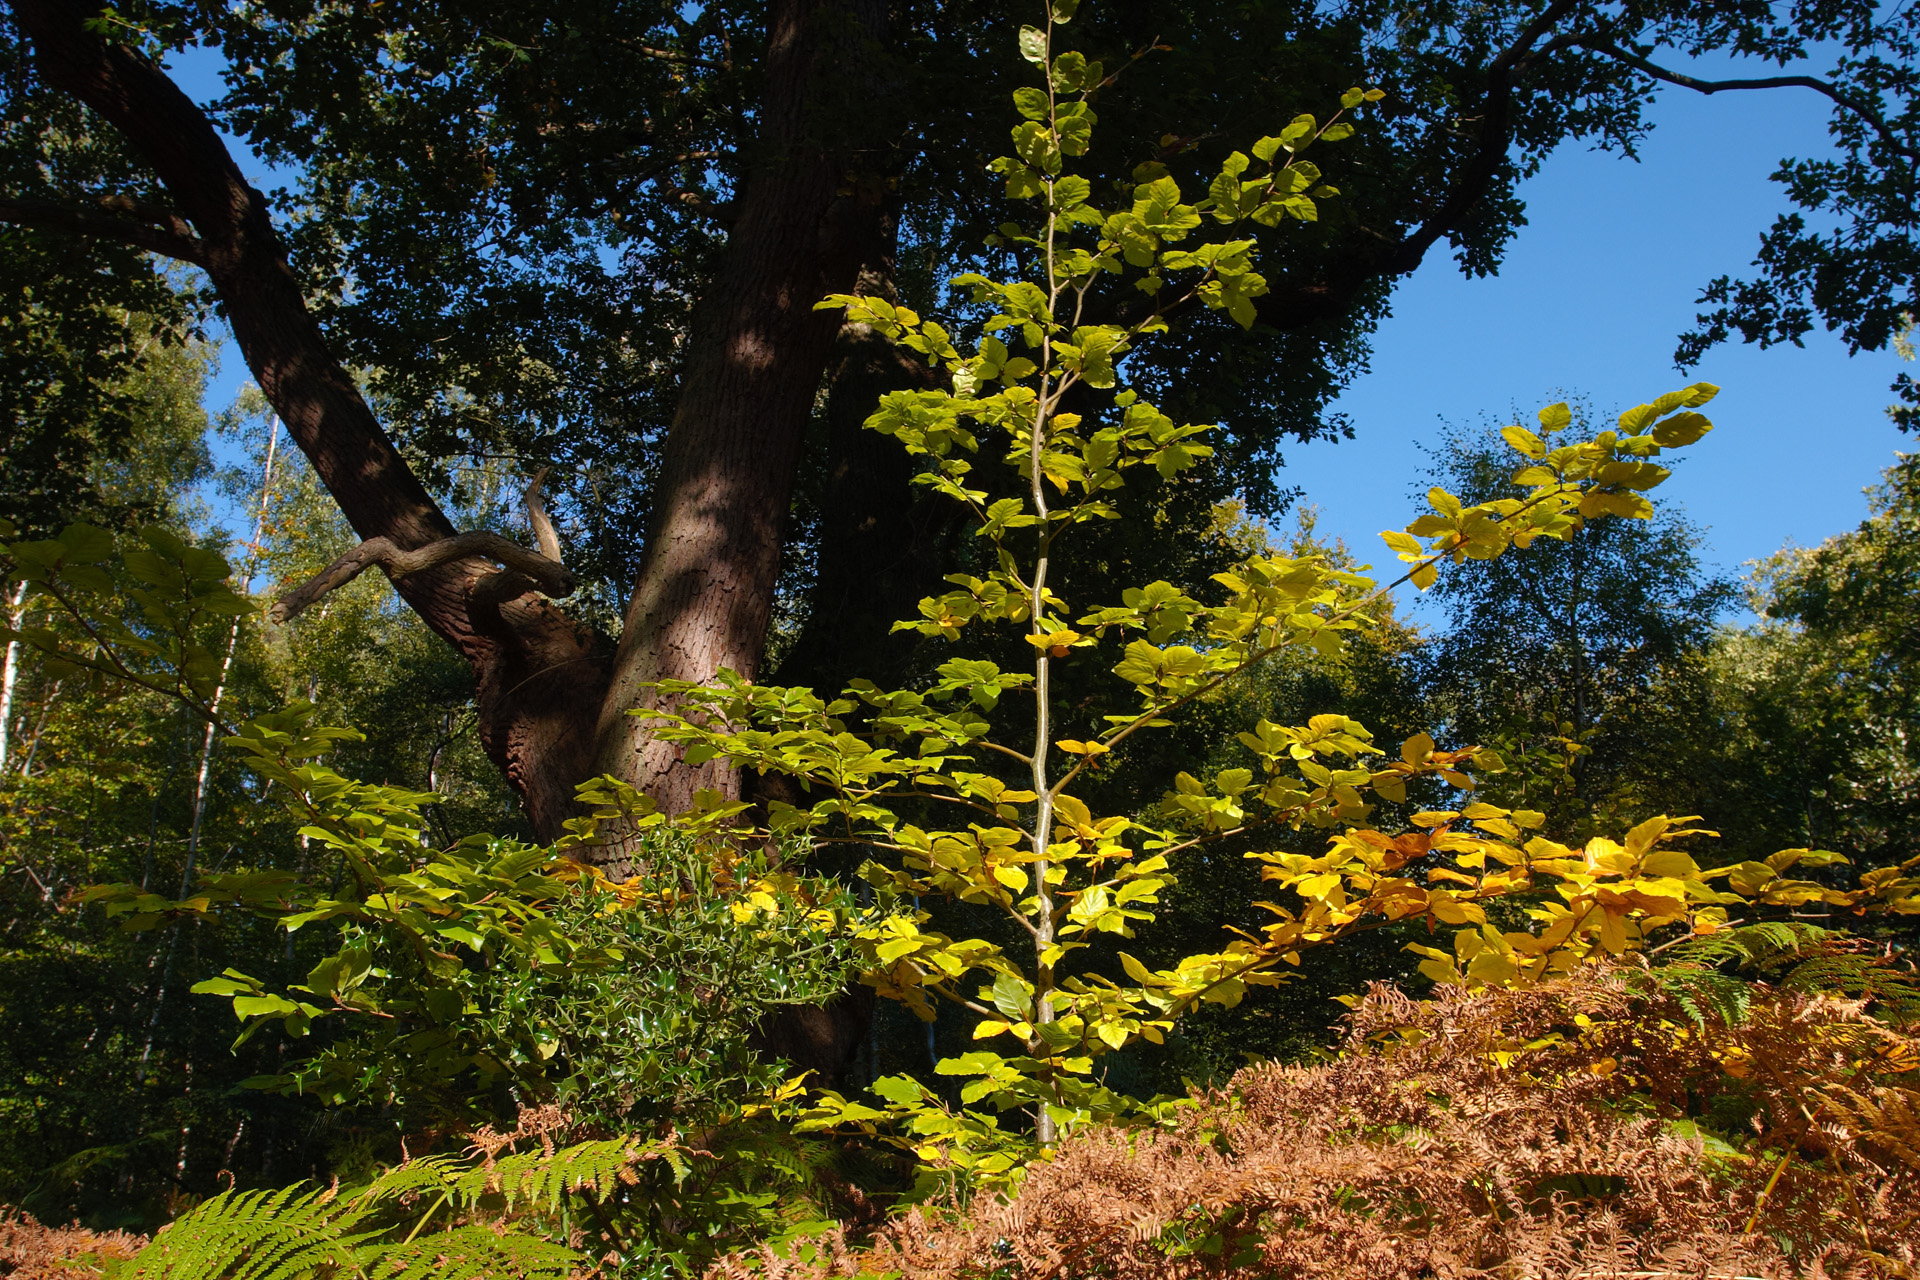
{"points": [[1889, 1119]]}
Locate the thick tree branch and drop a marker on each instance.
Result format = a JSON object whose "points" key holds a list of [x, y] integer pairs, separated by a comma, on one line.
{"points": [[552, 577], [1825, 88], [539, 676], [243, 255], [158, 231], [1297, 304]]}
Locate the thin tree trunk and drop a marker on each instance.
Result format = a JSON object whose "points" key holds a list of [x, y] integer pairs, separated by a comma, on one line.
{"points": [[226, 661], [10, 672], [39, 727], [206, 750]]}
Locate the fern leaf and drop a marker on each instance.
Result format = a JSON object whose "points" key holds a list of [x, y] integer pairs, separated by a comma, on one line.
{"points": [[1892, 991], [425, 1176], [253, 1235], [474, 1253], [1890, 1119], [538, 1177]]}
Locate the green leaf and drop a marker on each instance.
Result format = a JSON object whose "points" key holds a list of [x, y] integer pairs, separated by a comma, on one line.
{"points": [[1072, 73], [1013, 996], [901, 1090], [263, 1006], [1680, 430], [1404, 543], [231, 983], [975, 1063], [1033, 45]]}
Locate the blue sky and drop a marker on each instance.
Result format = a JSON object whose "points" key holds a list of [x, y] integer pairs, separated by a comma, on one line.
{"points": [[1588, 304]]}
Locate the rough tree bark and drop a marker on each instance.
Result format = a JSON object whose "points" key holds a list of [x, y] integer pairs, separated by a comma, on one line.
{"points": [[755, 362], [882, 543]]}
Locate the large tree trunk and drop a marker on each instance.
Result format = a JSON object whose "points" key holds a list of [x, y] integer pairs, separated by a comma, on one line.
{"points": [[554, 706], [756, 357], [882, 542], [550, 716], [539, 676]]}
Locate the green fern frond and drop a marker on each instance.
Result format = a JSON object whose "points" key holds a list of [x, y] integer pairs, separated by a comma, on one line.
{"points": [[426, 1176], [1795, 955], [802, 1161], [473, 1253], [537, 1177], [676, 1161], [1769, 945], [1706, 996], [255, 1235]]}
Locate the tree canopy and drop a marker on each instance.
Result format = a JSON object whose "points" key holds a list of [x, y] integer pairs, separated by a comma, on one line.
{"points": [[587, 238]]}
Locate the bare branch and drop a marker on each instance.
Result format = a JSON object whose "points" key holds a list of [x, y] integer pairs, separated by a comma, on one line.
{"points": [[1825, 88], [720, 211], [670, 55], [156, 230], [544, 535], [550, 576]]}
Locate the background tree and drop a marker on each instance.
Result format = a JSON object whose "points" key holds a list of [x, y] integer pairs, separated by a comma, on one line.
{"points": [[1819, 697], [1582, 665], [119, 1090]]}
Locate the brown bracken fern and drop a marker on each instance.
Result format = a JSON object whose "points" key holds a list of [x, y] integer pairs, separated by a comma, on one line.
{"points": [[30, 1250], [1567, 1131]]}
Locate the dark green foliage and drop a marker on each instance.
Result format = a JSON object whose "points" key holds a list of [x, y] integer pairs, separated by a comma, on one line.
{"points": [[528, 201], [93, 334], [1820, 700], [667, 1036], [1846, 257]]}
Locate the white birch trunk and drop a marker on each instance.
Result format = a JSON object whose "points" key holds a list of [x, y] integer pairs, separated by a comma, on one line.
{"points": [[10, 673]]}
